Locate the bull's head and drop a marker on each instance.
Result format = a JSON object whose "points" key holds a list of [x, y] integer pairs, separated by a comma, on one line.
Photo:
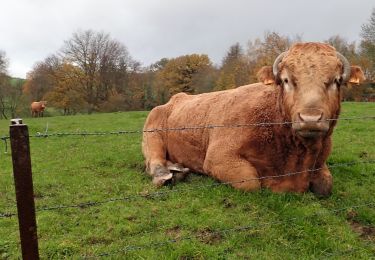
{"points": [[310, 76], [43, 104]]}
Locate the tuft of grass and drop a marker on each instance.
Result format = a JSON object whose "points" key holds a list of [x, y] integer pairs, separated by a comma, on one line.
{"points": [[192, 220]]}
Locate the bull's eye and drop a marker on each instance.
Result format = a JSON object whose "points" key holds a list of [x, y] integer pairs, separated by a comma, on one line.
{"points": [[287, 85], [333, 85], [338, 81]]}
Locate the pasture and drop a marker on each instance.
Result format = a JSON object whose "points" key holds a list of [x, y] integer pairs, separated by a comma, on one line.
{"points": [[197, 219]]}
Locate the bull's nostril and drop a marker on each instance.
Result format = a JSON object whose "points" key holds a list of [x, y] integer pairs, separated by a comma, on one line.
{"points": [[310, 118]]}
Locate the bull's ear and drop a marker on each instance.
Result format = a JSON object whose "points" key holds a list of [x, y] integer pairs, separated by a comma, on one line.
{"points": [[356, 75], [265, 75]]}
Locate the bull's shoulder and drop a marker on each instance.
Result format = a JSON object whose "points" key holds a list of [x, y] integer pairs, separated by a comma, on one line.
{"points": [[177, 97]]}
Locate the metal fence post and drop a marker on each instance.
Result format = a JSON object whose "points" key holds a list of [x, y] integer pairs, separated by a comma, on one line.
{"points": [[19, 139]]}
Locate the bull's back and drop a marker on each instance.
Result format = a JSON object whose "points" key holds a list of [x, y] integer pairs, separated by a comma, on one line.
{"points": [[37, 106], [34, 105], [196, 112]]}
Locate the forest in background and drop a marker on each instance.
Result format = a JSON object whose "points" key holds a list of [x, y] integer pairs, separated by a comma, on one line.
{"points": [[92, 72]]}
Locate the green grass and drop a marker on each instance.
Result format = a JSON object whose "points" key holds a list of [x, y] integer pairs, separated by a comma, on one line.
{"points": [[76, 169]]}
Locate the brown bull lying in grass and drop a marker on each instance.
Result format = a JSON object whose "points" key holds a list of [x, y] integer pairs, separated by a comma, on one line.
{"points": [[303, 88]]}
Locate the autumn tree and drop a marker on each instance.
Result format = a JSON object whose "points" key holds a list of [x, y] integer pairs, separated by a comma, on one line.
{"points": [[234, 71], [67, 93], [178, 75], [41, 79], [58, 82], [105, 64]]}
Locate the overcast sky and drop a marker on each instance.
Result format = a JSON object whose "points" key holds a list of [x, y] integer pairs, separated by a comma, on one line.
{"points": [[30, 30]]}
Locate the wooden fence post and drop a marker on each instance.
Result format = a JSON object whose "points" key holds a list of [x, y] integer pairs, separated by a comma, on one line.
{"points": [[19, 139]]}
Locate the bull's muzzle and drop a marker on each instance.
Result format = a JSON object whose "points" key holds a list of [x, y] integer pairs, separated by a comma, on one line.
{"points": [[310, 123]]}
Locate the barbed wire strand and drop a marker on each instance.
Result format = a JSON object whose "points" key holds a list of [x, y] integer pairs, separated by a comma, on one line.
{"points": [[168, 227], [181, 128], [223, 231], [227, 230], [170, 241], [181, 190], [348, 251]]}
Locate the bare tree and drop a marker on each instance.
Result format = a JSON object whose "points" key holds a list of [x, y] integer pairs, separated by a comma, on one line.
{"points": [[343, 46], [368, 46], [14, 96], [104, 61], [4, 79], [262, 52], [3, 62]]}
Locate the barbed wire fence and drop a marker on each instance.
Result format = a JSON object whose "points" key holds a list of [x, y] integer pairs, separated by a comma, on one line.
{"points": [[180, 128], [87, 204], [132, 197]]}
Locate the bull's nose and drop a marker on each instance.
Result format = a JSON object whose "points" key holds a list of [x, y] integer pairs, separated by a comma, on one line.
{"points": [[310, 117]]}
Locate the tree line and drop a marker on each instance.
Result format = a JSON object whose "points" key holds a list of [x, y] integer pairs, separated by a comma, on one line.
{"points": [[93, 72]]}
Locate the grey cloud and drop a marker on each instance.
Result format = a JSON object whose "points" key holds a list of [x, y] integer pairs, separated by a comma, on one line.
{"points": [[155, 29]]}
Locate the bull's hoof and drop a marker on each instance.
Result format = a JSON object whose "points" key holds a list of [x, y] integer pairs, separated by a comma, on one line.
{"points": [[179, 172], [162, 180], [171, 174], [161, 176]]}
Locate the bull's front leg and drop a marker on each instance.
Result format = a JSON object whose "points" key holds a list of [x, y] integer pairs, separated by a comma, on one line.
{"points": [[154, 152], [321, 182], [161, 170], [229, 167]]}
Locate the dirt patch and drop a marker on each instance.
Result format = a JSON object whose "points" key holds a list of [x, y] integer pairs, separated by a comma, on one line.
{"points": [[243, 256], [189, 257], [174, 232], [92, 240], [363, 155], [38, 195], [365, 232], [350, 215], [209, 236], [227, 203], [131, 218]]}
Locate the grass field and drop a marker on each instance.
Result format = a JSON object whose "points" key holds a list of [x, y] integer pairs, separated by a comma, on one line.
{"points": [[196, 219]]}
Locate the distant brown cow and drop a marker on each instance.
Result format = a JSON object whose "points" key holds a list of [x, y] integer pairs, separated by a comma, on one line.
{"points": [[304, 89], [37, 108]]}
